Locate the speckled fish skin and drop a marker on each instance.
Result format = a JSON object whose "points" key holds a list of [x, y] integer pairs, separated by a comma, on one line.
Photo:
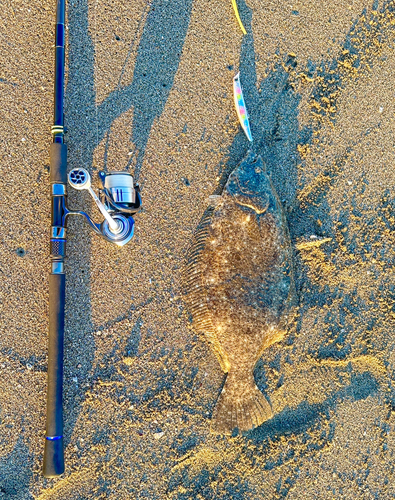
{"points": [[238, 286]]}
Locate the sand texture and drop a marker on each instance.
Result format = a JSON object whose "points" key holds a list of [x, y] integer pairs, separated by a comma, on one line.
{"points": [[149, 89]]}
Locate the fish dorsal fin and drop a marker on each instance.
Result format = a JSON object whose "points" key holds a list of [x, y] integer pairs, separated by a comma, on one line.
{"points": [[194, 290]]}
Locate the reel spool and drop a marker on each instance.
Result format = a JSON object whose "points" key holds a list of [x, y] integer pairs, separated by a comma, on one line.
{"points": [[119, 199], [121, 187], [119, 192]]}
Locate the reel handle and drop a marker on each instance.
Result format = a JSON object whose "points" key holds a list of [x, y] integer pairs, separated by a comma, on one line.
{"points": [[80, 179]]}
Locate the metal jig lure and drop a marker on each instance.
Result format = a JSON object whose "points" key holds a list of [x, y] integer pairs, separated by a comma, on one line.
{"points": [[241, 107]]}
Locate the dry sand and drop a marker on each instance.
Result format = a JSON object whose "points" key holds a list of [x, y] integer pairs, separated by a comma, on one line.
{"points": [[150, 89]]}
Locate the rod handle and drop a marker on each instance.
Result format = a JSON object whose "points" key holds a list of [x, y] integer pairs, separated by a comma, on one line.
{"points": [[58, 163], [53, 464]]}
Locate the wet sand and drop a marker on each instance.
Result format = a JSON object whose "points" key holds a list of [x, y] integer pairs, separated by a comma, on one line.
{"points": [[149, 89]]}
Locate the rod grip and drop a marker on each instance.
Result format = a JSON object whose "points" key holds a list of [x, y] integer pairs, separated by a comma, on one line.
{"points": [[58, 163], [53, 464]]}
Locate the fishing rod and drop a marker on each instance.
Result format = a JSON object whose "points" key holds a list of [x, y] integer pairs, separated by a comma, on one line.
{"points": [[119, 199]]}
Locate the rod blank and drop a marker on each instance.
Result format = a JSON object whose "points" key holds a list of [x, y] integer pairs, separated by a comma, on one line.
{"points": [[53, 464], [53, 451]]}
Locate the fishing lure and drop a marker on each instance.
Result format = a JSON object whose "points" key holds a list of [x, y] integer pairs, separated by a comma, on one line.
{"points": [[238, 17], [241, 107]]}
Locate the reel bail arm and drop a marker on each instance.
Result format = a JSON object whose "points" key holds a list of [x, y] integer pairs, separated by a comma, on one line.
{"points": [[120, 199]]}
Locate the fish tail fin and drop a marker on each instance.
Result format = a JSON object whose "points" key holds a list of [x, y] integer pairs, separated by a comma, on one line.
{"points": [[240, 404]]}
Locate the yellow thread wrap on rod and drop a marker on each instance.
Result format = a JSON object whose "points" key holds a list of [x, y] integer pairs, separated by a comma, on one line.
{"points": [[238, 17]]}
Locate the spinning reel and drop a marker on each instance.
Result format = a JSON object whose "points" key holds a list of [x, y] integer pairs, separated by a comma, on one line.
{"points": [[119, 198]]}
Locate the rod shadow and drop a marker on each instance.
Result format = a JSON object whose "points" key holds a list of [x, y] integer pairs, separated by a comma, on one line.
{"points": [[158, 57]]}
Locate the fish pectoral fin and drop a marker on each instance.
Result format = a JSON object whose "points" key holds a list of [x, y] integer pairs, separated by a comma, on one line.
{"points": [[240, 404]]}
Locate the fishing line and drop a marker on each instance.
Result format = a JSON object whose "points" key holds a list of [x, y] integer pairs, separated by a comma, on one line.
{"points": [[95, 75], [142, 21], [119, 87], [238, 96]]}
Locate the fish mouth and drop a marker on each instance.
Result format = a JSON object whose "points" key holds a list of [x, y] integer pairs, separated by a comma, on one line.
{"points": [[248, 184], [245, 202]]}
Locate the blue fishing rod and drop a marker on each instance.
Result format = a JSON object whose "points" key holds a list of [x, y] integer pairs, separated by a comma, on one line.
{"points": [[119, 199]]}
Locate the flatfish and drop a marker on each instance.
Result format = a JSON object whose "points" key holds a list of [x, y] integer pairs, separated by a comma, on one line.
{"points": [[238, 287]]}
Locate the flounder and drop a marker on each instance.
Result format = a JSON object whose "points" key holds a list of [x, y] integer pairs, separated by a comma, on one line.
{"points": [[238, 287]]}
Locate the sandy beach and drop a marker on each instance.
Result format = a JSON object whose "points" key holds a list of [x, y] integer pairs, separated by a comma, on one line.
{"points": [[149, 90]]}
